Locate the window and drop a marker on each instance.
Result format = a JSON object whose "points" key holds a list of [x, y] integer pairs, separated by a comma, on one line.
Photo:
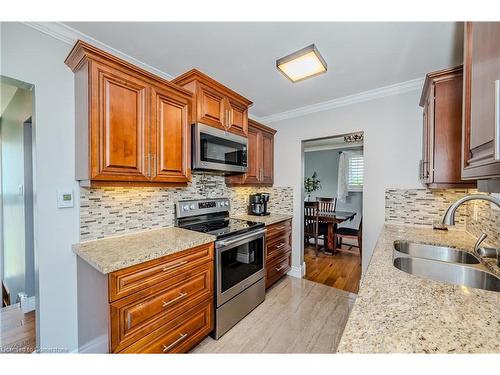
{"points": [[355, 173]]}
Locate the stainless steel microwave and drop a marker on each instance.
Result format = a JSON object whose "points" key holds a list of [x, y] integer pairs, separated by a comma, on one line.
{"points": [[217, 150]]}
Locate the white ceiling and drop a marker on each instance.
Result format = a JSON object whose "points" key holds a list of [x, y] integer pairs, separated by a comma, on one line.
{"points": [[360, 56]]}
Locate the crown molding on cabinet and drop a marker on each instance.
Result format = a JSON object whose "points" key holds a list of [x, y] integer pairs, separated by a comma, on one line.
{"points": [[68, 35], [381, 92]]}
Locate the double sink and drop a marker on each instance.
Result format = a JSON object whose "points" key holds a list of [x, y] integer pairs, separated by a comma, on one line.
{"points": [[444, 264]]}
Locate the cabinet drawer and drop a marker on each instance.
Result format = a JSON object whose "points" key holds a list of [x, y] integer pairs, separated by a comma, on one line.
{"points": [[277, 269], [278, 246], [134, 317], [278, 228], [167, 269], [180, 335]]}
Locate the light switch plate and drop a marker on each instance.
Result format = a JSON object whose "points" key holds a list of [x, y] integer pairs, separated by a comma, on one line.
{"points": [[65, 198]]}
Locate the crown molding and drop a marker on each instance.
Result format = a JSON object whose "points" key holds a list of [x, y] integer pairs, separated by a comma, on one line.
{"points": [[68, 35], [381, 92]]}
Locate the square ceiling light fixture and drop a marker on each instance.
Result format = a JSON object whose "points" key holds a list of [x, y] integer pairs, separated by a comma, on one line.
{"points": [[303, 64]]}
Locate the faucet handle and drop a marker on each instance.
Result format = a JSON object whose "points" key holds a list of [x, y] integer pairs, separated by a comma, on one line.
{"points": [[481, 238]]}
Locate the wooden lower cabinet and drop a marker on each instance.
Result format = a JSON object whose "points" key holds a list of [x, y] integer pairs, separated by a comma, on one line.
{"points": [[160, 306], [278, 251]]}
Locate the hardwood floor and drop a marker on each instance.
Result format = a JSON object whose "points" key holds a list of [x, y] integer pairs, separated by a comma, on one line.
{"points": [[298, 316], [341, 271], [17, 330]]}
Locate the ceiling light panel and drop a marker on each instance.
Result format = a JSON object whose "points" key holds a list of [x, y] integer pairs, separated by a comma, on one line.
{"points": [[303, 64]]}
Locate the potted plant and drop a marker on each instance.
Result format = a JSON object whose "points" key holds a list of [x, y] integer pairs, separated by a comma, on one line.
{"points": [[311, 184]]}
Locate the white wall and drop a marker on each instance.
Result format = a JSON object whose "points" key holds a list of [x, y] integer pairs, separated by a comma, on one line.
{"points": [[33, 57], [13, 230], [392, 146]]}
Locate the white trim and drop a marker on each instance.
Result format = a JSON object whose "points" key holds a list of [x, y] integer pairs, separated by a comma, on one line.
{"points": [[97, 345], [381, 92], [297, 271], [68, 35], [332, 147]]}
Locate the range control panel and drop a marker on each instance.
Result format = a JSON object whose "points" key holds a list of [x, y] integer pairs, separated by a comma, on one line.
{"points": [[201, 207]]}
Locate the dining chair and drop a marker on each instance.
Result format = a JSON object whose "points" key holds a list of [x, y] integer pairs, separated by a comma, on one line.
{"points": [[327, 204], [311, 223], [353, 234]]}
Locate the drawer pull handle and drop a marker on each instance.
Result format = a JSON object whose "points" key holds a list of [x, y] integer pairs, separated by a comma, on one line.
{"points": [[280, 228], [279, 268], [168, 268], [280, 245], [181, 296], [166, 348]]}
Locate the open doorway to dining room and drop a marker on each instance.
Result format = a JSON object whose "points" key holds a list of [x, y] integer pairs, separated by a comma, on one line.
{"points": [[333, 210]]}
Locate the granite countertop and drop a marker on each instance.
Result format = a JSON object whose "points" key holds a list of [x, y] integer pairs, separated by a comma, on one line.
{"points": [[396, 312], [268, 220], [114, 253]]}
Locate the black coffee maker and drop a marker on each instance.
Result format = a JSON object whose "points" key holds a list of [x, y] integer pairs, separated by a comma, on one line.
{"points": [[258, 204]]}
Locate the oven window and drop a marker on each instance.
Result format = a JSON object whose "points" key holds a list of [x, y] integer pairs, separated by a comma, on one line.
{"points": [[240, 262], [222, 151]]}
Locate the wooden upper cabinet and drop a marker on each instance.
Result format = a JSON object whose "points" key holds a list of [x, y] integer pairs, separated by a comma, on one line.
{"points": [[216, 105], [170, 136], [211, 107], [442, 130], [120, 119], [481, 146], [237, 121], [131, 126], [260, 157]]}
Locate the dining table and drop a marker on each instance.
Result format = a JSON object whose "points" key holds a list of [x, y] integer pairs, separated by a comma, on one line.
{"points": [[332, 219]]}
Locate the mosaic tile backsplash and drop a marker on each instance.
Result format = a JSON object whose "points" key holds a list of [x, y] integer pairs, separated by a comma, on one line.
{"points": [[113, 211], [423, 207]]}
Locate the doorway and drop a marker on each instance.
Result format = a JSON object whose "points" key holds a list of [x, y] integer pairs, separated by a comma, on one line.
{"points": [[17, 242], [333, 210]]}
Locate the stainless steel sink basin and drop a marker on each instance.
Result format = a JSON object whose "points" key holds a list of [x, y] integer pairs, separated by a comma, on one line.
{"points": [[441, 253], [474, 276]]}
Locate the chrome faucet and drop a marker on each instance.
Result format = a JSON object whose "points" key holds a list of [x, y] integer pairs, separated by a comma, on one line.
{"points": [[449, 219]]}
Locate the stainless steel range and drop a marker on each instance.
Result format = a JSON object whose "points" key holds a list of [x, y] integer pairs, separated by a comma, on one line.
{"points": [[239, 258]]}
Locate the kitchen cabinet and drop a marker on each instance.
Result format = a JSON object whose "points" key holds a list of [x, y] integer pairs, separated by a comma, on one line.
{"points": [[260, 155], [131, 126], [159, 306], [278, 251], [215, 104], [481, 123], [441, 100]]}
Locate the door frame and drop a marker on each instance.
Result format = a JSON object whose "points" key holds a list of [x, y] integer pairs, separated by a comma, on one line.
{"points": [[302, 192], [30, 87]]}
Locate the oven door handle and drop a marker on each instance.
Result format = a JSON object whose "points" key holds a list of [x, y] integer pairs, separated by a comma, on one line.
{"points": [[247, 236]]}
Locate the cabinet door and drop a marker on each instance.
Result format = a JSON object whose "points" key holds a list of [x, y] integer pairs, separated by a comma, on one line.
{"points": [[237, 117], [211, 107], [170, 137], [481, 127], [267, 158], [254, 156], [119, 126]]}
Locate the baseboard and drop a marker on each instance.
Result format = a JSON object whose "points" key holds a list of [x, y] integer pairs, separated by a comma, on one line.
{"points": [[298, 271], [97, 345]]}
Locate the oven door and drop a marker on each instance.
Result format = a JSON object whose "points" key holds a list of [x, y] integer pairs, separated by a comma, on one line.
{"points": [[215, 149], [239, 264]]}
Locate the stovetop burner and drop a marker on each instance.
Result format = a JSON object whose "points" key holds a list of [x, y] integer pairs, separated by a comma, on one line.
{"points": [[211, 216], [223, 227]]}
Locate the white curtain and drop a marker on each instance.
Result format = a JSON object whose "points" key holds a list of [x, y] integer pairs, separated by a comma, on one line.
{"points": [[343, 176]]}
